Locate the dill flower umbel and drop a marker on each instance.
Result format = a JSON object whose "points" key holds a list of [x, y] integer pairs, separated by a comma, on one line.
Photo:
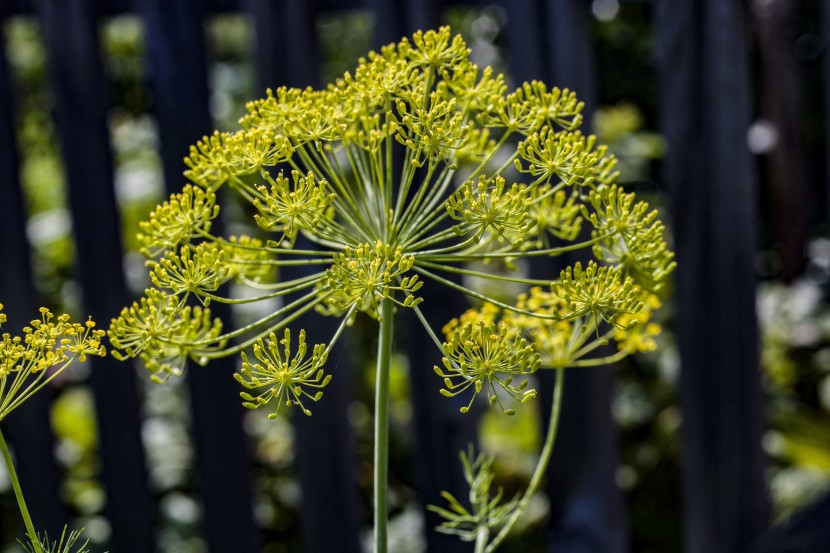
{"points": [[47, 346], [28, 362], [399, 173]]}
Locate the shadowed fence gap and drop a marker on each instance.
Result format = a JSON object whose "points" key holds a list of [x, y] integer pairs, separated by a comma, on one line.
{"points": [[81, 102]]}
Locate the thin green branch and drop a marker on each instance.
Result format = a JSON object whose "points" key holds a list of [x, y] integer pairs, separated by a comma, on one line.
{"points": [[552, 252], [482, 297], [381, 475], [18, 494], [479, 274], [541, 467]]}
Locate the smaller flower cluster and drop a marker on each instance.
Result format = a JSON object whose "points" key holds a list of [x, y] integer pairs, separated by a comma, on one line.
{"points": [[178, 220], [288, 207], [487, 206], [285, 377], [47, 343], [569, 156], [365, 275], [488, 354], [163, 333], [629, 235], [556, 328]]}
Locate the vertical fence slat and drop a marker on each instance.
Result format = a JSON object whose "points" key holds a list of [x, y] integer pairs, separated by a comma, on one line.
{"points": [[326, 458], [791, 212], [287, 49], [176, 48], [302, 50], [80, 103], [586, 503], [825, 68], [524, 37], [28, 427], [570, 49], [705, 104], [388, 21], [422, 15], [269, 46]]}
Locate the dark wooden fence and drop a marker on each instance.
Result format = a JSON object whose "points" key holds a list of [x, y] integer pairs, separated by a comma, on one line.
{"points": [[706, 98]]}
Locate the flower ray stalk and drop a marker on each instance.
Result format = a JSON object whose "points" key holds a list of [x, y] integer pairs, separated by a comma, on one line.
{"points": [[541, 466], [381, 429]]}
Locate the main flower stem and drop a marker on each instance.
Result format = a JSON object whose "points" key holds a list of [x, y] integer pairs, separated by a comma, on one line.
{"points": [[387, 308], [541, 467], [18, 493]]}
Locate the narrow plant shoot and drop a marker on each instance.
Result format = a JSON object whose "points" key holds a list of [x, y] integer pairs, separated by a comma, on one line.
{"points": [[400, 173]]}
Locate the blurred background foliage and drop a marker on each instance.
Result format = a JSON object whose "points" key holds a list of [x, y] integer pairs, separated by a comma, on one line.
{"points": [[795, 317]]}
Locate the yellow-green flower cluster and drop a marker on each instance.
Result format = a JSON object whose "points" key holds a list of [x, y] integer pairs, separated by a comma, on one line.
{"points": [[288, 207], [178, 220], [629, 235], [363, 276], [567, 324], [398, 173], [486, 206], [285, 377], [486, 355], [164, 333], [47, 346]]}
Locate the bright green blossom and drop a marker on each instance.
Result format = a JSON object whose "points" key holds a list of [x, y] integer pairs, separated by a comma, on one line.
{"points": [[47, 346], [488, 355], [178, 220], [285, 377]]}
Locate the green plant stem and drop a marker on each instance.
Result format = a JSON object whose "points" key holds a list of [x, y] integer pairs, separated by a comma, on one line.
{"points": [[387, 308], [541, 467], [18, 493], [482, 536]]}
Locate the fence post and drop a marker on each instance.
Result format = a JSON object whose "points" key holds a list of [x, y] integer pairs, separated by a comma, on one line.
{"points": [[825, 25], [388, 21], [708, 169], [28, 428], [176, 48], [524, 37], [787, 163], [81, 102], [586, 501]]}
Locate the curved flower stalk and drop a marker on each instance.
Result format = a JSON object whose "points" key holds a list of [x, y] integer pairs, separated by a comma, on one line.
{"points": [[400, 173], [28, 362]]}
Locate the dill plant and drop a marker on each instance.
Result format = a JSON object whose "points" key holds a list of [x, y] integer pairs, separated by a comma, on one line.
{"points": [[400, 174], [28, 362]]}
